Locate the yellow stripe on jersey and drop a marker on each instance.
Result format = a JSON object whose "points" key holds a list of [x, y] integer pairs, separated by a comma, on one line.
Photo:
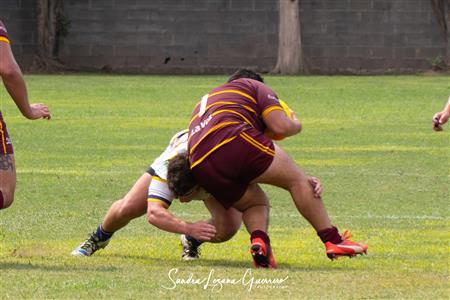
{"points": [[248, 108], [154, 200], [3, 138], [220, 102], [223, 102], [233, 112], [216, 103], [218, 126], [268, 110], [4, 39], [212, 150], [234, 92], [257, 144], [157, 178]]}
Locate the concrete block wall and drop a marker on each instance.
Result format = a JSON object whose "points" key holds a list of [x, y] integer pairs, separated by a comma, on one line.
{"points": [[370, 36], [171, 36], [19, 17], [218, 36]]}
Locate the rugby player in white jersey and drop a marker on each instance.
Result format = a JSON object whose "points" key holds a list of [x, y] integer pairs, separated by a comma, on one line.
{"points": [[150, 194]]}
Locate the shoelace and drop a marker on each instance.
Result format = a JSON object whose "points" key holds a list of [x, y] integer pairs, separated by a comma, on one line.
{"points": [[191, 250], [91, 242], [346, 235]]}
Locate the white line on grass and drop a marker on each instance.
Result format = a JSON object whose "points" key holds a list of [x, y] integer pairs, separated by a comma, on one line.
{"points": [[369, 216]]}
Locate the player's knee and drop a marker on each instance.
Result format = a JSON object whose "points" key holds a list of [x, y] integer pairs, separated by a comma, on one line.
{"points": [[299, 183], [228, 234], [223, 236], [226, 230]]}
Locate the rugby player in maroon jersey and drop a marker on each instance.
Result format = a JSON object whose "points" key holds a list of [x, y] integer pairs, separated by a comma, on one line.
{"points": [[151, 194], [229, 154], [15, 85]]}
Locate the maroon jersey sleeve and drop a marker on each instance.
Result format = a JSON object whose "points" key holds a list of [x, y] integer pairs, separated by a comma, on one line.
{"points": [[267, 99], [3, 33]]}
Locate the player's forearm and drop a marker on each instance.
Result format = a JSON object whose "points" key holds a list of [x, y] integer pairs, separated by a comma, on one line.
{"points": [[289, 128], [294, 128], [280, 124], [447, 106], [15, 85], [165, 220]]}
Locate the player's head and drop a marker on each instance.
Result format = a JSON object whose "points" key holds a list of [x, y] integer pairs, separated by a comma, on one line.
{"points": [[244, 73], [179, 176]]}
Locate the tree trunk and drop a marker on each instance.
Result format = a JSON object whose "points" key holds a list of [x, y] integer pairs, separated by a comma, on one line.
{"points": [[441, 10], [290, 58], [48, 16], [447, 22]]}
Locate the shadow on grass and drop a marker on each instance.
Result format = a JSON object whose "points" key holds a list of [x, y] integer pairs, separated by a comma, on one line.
{"points": [[281, 266], [61, 268], [313, 268], [237, 264], [203, 262]]}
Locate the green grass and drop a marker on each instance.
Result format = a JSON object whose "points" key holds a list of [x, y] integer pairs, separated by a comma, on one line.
{"points": [[369, 139]]}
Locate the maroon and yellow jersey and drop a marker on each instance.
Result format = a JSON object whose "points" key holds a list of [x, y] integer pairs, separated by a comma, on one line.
{"points": [[225, 112], [3, 33]]}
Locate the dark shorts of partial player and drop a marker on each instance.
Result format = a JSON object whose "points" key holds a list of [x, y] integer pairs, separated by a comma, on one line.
{"points": [[227, 172], [6, 146]]}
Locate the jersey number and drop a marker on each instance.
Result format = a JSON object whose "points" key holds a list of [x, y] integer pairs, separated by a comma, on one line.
{"points": [[203, 105]]}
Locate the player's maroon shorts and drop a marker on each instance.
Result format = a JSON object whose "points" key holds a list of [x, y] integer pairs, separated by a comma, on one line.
{"points": [[5, 143], [227, 172]]}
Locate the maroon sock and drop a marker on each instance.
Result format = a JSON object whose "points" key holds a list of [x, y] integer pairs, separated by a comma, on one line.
{"points": [[330, 235], [260, 234], [2, 202]]}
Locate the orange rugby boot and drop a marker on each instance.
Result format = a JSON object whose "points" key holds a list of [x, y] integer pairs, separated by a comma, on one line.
{"points": [[262, 254], [345, 248]]}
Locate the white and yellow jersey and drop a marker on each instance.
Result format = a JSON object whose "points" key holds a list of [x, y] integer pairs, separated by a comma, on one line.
{"points": [[178, 144], [158, 191]]}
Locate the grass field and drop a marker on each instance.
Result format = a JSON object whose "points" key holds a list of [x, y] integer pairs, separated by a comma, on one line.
{"points": [[369, 139]]}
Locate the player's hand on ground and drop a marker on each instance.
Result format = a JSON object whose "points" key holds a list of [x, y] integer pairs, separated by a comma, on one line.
{"points": [[439, 119], [316, 185], [201, 231], [39, 110]]}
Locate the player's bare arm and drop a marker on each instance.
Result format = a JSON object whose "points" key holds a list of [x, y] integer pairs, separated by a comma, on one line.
{"points": [[16, 87], [440, 118], [159, 216], [280, 124]]}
